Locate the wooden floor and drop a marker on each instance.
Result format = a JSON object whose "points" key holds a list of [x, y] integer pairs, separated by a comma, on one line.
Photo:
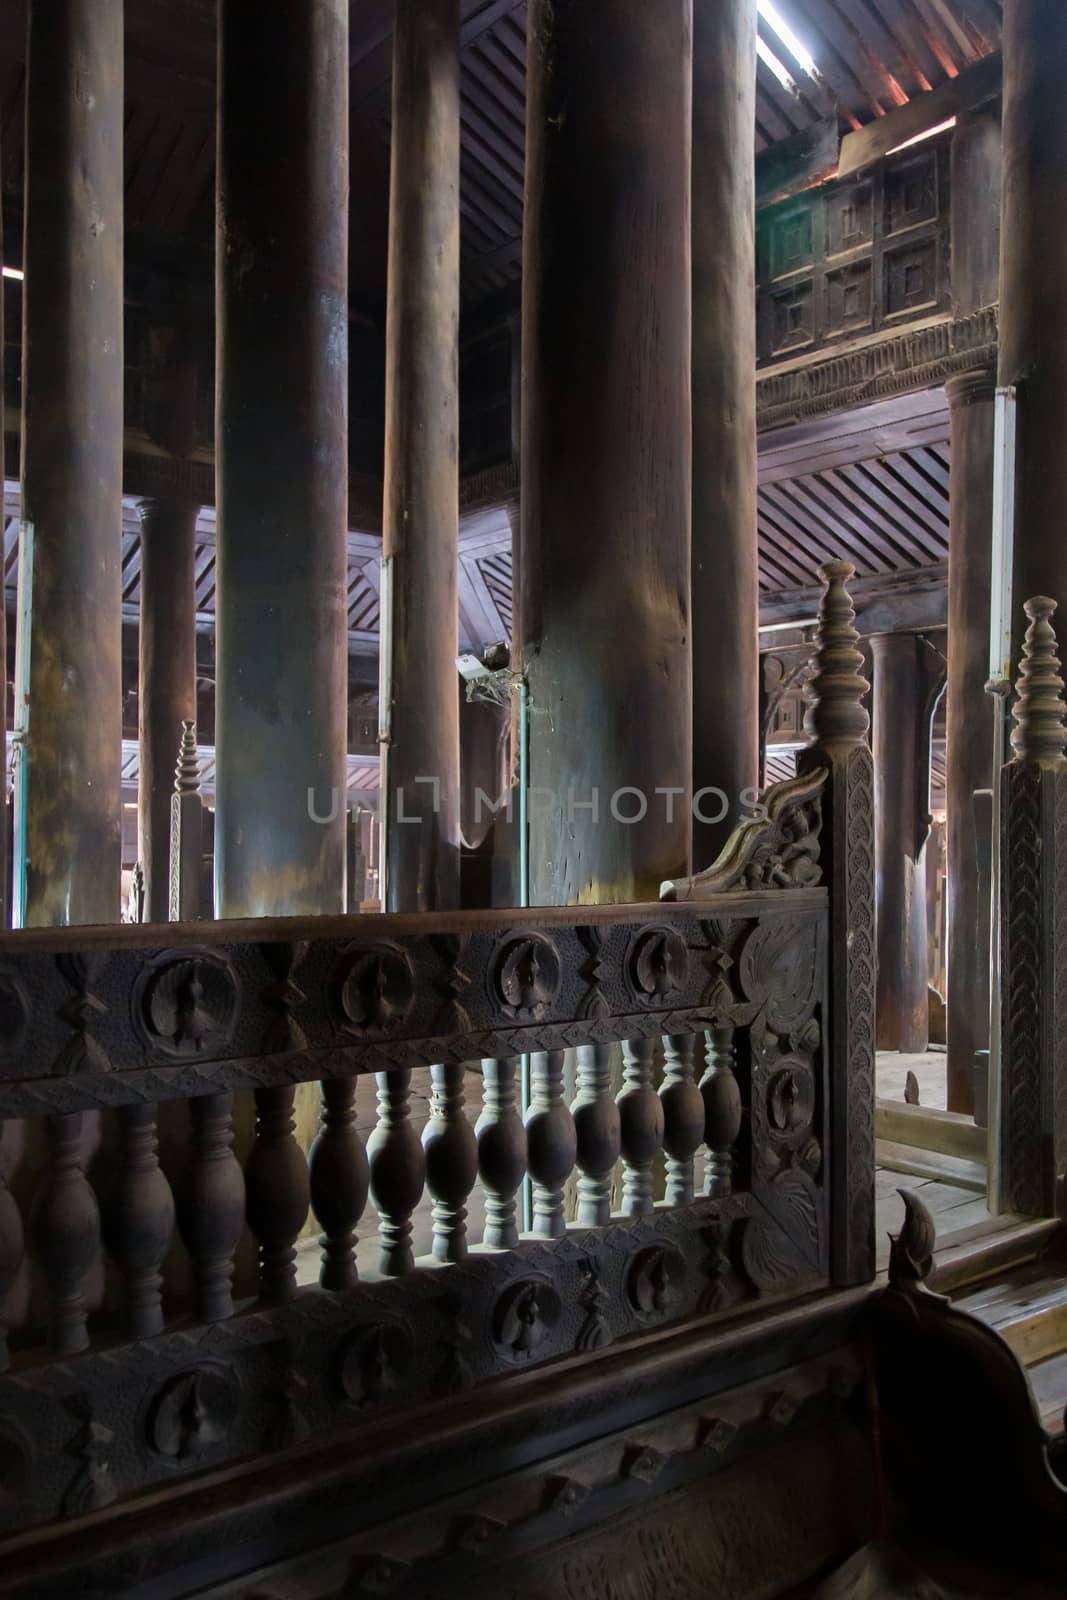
{"points": [[930, 1068], [957, 1213]]}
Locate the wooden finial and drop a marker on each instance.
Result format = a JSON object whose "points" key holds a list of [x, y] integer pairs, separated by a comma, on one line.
{"points": [[1039, 734], [187, 772], [836, 714]]}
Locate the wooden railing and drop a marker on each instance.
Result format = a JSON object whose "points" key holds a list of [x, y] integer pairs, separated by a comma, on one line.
{"points": [[731, 1160]]}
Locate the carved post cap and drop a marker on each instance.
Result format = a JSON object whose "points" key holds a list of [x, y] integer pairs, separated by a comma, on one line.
{"points": [[837, 714], [1040, 733], [187, 772]]}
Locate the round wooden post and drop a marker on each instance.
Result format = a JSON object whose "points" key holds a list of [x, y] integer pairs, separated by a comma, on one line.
{"points": [[725, 574], [901, 818], [70, 546], [282, 458], [1033, 270], [421, 529], [607, 448], [167, 673]]}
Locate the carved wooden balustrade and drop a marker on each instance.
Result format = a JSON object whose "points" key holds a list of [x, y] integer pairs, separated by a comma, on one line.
{"points": [[734, 1163]]}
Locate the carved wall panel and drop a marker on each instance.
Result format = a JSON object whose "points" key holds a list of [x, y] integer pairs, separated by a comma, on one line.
{"points": [[855, 257]]}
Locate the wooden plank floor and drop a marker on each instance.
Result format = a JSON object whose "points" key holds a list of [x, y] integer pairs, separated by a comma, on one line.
{"points": [[956, 1212]]}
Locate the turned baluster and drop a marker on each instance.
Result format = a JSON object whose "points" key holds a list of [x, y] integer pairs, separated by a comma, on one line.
{"points": [[12, 1249], [451, 1149], [722, 1110], [67, 1235], [211, 1206], [597, 1125], [501, 1150], [683, 1115], [278, 1193], [397, 1169], [551, 1141], [339, 1177], [640, 1125], [140, 1222]]}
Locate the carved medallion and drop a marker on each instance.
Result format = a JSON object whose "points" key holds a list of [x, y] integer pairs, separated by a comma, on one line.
{"points": [[374, 988], [654, 1281], [659, 964], [791, 1097], [524, 1317], [185, 1005], [194, 1412], [526, 976], [372, 1361]]}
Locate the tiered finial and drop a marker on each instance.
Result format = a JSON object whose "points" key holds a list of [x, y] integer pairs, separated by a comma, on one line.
{"points": [[836, 713], [187, 772], [1039, 734]]}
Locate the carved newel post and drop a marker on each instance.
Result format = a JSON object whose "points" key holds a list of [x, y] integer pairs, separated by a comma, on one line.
{"points": [[186, 831], [1033, 927], [838, 720]]}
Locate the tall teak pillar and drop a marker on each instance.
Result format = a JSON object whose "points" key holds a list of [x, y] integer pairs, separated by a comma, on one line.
{"points": [[1033, 307], [725, 604], [969, 764], [421, 527], [282, 457], [901, 801], [606, 425], [167, 681], [69, 795]]}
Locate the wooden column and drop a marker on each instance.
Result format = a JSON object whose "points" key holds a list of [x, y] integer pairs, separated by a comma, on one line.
{"points": [[70, 545], [725, 603], [607, 444], [421, 529], [901, 822], [5, 814], [167, 681], [282, 457], [1033, 271], [969, 757]]}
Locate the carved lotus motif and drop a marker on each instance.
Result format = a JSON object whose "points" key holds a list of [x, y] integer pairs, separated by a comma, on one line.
{"points": [[375, 988], [187, 1005], [659, 963], [526, 977]]}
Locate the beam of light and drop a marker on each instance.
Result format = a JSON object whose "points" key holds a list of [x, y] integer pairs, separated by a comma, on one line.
{"points": [[780, 70], [777, 23], [14, 272], [927, 133]]}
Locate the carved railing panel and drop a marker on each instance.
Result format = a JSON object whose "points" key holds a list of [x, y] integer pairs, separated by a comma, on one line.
{"points": [[154, 1344], [720, 1010]]}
